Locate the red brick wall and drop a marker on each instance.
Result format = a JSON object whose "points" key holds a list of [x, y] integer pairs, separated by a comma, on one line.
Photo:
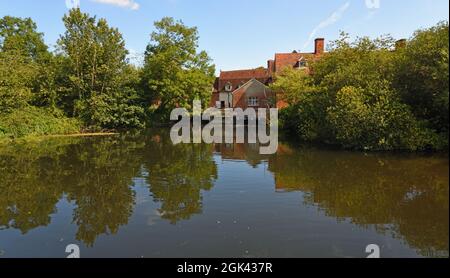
{"points": [[319, 46]]}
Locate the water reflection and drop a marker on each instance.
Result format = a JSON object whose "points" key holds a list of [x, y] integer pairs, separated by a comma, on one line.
{"points": [[404, 197], [177, 175], [95, 175], [241, 152]]}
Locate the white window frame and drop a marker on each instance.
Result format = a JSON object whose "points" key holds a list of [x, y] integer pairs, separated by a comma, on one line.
{"points": [[303, 64], [253, 102], [228, 87]]}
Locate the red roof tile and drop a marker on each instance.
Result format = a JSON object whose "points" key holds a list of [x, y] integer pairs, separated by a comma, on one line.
{"points": [[283, 60], [242, 74], [239, 77]]}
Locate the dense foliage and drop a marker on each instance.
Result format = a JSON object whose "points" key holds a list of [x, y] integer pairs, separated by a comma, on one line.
{"points": [[97, 75], [366, 95], [175, 73], [88, 83], [34, 121], [373, 94]]}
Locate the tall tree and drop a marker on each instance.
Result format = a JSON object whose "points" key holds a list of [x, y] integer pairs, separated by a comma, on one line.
{"points": [[96, 59], [21, 35], [23, 57], [175, 72], [422, 76], [351, 100], [17, 75]]}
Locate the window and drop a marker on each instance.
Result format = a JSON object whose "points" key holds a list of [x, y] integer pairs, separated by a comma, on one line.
{"points": [[253, 101], [302, 63], [228, 87]]}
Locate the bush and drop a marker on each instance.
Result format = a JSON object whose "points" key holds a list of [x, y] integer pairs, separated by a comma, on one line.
{"points": [[113, 111], [306, 115], [422, 76], [361, 95], [380, 124], [32, 121]]}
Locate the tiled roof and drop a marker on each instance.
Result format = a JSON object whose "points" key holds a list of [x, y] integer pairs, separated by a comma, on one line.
{"points": [[242, 74], [239, 77], [283, 60]]}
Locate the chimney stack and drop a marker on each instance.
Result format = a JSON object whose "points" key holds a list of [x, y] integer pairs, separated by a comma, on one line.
{"points": [[319, 44], [271, 66]]}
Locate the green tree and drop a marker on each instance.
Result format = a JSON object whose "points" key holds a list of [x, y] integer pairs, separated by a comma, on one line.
{"points": [[293, 85], [17, 74], [23, 58], [175, 73], [382, 123], [351, 99], [305, 115], [422, 76], [21, 35], [96, 65]]}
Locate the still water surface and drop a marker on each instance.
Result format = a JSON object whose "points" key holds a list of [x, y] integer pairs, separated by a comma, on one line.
{"points": [[141, 196]]}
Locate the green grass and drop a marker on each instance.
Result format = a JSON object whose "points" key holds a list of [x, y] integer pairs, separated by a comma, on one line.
{"points": [[32, 121]]}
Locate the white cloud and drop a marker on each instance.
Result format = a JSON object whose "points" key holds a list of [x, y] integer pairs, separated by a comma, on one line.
{"points": [[130, 4], [333, 18]]}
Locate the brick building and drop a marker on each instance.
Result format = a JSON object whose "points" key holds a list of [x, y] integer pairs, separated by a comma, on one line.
{"points": [[248, 88]]}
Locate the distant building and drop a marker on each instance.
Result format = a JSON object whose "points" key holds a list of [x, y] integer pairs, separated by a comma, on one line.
{"points": [[249, 88]]}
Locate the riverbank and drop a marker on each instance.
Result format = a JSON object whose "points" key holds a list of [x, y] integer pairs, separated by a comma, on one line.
{"points": [[33, 138], [83, 134], [32, 123]]}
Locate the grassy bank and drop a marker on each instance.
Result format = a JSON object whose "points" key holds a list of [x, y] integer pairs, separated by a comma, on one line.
{"points": [[34, 122]]}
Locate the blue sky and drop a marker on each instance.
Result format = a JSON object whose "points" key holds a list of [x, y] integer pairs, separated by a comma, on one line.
{"points": [[243, 33]]}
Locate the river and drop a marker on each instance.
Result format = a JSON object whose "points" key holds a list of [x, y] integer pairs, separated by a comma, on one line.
{"points": [[141, 196]]}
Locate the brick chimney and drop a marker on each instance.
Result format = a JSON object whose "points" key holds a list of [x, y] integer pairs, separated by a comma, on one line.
{"points": [[271, 66], [400, 44], [319, 46]]}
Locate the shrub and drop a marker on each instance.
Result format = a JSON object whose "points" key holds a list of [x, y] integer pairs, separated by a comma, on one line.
{"points": [[32, 121], [383, 123], [422, 76], [365, 96], [113, 111]]}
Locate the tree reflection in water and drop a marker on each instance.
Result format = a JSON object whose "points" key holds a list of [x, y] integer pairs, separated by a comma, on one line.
{"points": [[177, 176], [96, 175], [403, 196]]}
